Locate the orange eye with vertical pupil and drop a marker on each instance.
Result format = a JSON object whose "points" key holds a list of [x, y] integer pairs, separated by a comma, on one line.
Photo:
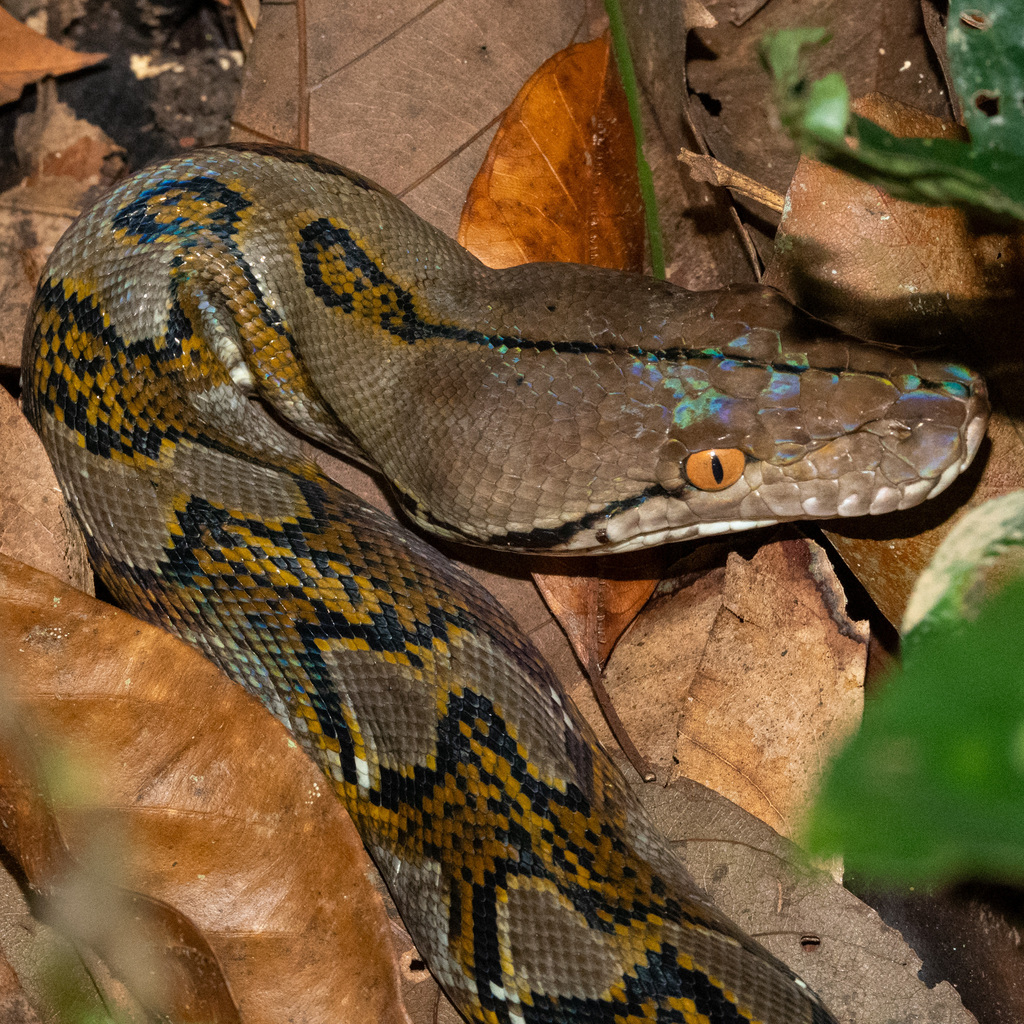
{"points": [[715, 469]]}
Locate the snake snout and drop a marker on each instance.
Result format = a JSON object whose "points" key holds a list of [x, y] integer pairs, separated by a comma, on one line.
{"points": [[927, 438]]}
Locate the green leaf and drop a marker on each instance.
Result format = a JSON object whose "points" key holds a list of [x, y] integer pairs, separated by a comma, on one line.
{"points": [[986, 53], [952, 583], [780, 51], [933, 786], [828, 108]]}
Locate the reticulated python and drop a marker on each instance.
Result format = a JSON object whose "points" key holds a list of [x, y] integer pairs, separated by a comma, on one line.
{"points": [[548, 407]]}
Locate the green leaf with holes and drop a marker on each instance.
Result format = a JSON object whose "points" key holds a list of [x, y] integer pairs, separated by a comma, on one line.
{"points": [[932, 788], [986, 54], [986, 46]]}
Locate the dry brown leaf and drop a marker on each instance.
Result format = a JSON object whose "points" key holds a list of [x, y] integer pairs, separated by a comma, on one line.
{"points": [[36, 526], [26, 57], [231, 825], [887, 269], [778, 688], [408, 94], [559, 182], [863, 969], [746, 679]]}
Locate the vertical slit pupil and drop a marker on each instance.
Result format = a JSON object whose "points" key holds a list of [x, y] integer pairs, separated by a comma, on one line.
{"points": [[716, 468]]}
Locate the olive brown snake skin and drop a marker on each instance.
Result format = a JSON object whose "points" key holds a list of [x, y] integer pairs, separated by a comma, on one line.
{"points": [[547, 407]]}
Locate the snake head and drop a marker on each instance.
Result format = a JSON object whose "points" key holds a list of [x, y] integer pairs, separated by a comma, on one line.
{"points": [[781, 418]]}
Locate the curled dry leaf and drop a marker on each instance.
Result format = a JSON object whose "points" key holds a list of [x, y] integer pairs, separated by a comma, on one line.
{"points": [[778, 687], [595, 599], [745, 679], [222, 817], [560, 182], [26, 57]]}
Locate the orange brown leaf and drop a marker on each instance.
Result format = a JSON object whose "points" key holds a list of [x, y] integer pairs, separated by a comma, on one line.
{"points": [[221, 816], [559, 182]]}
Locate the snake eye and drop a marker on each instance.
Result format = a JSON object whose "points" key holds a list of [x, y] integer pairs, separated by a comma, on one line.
{"points": [[715, 469]]}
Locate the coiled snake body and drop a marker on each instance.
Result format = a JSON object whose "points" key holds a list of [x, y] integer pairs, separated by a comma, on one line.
{"points": [[550, 407]]}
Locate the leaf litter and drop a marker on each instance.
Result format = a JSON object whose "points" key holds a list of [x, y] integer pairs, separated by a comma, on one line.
{"points": [[432, 192]]}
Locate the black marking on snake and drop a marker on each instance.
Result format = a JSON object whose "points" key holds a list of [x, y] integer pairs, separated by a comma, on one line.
{"points": [[223, 206], [662, 974], [207, 527], [85, 317], [81, 320]]}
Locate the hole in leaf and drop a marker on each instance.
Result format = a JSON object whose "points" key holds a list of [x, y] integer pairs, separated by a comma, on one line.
{"points": [[975, 19], [810, 943], [987, 103], [417, 965]]}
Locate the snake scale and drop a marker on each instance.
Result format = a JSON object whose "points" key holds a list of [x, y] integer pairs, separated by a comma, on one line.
{"points": [[206, 310]]}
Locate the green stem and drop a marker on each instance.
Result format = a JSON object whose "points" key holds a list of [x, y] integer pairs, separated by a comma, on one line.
{"points": [[624, 60]]}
